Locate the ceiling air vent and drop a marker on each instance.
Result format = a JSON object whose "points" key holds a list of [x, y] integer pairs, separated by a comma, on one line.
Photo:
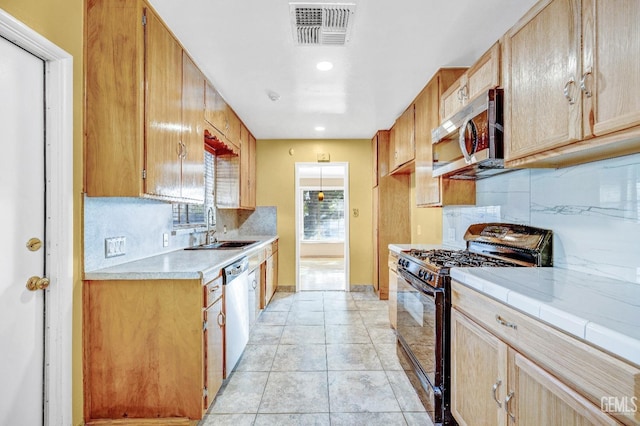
{"points": [[323, 24]]}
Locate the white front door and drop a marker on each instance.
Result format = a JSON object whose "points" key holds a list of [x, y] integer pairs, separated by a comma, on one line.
{"points": [[22, 216]]}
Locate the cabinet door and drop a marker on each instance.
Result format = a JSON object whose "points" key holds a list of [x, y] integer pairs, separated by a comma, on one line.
{"points": [[163, 69], [611, 62], [215, 109], [541, 75], [426, 118], [478, 374], [247, 197], [485, 73], [393, 292], [405, 142], [192, 131], [252, 171], [453, 98], [540, 399], [214, 350], [233, 126]]}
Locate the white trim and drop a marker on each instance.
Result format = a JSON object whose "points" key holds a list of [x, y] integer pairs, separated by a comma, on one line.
{"points": [[59, 222], [298, 212]]}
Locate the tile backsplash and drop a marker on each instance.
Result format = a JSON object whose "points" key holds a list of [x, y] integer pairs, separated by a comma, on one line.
{"points": [[143, 222], [591, 208]]}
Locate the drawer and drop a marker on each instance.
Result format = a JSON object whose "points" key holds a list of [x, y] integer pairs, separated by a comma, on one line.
{"points": [[212, 291], [589, 370]]}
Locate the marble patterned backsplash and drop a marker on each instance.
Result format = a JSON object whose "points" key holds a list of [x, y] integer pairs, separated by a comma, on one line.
{"points": [[591, 208], [143, 222]]}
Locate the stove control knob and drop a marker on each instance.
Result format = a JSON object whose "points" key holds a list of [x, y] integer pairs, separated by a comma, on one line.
{"points": [[420, 273], [428, 276]]}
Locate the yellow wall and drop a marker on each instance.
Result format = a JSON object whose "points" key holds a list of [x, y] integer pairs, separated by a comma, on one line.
{"points": [[276, 187], [426, 222], [61, 21]]}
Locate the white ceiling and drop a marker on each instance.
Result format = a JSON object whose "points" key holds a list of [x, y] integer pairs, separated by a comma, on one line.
{"points": [[246, 49]]}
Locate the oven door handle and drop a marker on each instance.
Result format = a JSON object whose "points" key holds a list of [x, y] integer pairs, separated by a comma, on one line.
{"points": [[416, 283]]}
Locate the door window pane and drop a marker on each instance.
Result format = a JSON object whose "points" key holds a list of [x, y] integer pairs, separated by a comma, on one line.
{"points": [[323, 220]]}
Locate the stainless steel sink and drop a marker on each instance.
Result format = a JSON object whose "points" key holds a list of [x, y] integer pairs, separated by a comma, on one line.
{"points": [[223, 245]]}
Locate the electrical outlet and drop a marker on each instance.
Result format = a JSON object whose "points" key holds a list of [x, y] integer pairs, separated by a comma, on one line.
{"points": [[115, 246], [165, 240]]}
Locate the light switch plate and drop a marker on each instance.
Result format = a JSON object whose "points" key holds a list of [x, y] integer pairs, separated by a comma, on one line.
{"points": [[165, 240], [115, 246]]}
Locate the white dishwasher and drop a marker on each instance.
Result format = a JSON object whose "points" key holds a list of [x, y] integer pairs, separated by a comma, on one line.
{"points": [[236, 311]]}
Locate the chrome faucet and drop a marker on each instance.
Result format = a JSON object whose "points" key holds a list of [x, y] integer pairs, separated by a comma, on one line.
{"points": [[210, 223]]}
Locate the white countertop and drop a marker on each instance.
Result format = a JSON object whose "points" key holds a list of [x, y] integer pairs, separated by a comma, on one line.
{"points": [[599, 310], [180, 264]]}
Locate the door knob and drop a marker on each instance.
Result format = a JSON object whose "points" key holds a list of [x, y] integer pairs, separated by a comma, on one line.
{"points": [[34, 244], [37, 283]]}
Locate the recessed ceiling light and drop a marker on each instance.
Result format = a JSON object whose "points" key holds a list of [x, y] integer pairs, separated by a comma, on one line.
{"points": [[319, 129], [324, 66]]}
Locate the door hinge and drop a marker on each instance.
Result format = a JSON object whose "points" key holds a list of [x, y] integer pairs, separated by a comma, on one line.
{"points": [[144, 20], [144, 174], [205, 392], [204, 325]]}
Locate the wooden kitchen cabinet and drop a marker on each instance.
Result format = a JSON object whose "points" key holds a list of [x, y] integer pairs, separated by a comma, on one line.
{"points": [[482, 76], [192, 155], [134, 83], [247, 169], [393, 289], [380, 148], [436, 191], [570, 83], [220, 115], [151, 349], [391, 223], [402, 142], [271, 272], [508, 368]]}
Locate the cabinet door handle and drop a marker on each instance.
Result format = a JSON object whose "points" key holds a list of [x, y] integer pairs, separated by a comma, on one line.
{"points": [[566, 91], [184, 151], [254, 284], [179, 149], [494, 388], [502, 321], [507, 400], [583, 84], [222, 319]]}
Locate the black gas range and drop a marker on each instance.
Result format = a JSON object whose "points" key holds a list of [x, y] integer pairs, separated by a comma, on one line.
{"points": [[423, 299]]}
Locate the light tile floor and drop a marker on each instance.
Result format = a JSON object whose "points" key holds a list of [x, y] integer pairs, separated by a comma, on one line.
{"points": [[319, 358], [321, 273]]}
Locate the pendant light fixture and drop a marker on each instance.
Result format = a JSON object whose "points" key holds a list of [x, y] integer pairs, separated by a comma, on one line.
{"points": [[320, 194]]}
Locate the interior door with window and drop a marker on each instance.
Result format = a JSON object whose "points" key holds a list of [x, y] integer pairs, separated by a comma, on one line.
{"points": [[22, 248]]}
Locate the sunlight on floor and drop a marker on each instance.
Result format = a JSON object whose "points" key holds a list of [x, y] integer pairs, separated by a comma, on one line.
{"points": [[321, 273]]}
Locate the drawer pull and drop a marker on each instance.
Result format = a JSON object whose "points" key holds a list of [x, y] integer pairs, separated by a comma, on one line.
{"points": [[507, 400], [501, 321], [494, 388], [214, 288]]}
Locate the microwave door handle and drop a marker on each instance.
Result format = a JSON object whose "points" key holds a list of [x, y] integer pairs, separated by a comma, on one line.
{"points": [[461, 140]]}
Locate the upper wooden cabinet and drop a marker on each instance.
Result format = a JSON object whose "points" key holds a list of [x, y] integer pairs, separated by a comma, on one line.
{"points": [[218, 113], [192, 155], [380, 148], [402, 144], [482, 76], [436, 191], [134, 120], [247, 169], [570, 85]]}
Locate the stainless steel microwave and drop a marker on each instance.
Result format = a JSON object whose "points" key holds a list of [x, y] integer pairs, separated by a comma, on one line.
{"points": [[469, 145]]}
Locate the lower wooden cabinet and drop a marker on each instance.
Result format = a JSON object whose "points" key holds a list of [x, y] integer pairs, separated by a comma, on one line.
{"points": [[393, 290], [501, 373], [151, 349], [271, 272]]}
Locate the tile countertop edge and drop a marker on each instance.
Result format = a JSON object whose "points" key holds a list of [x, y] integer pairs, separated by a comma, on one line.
{"points": [[179, 264], [622, 345]]}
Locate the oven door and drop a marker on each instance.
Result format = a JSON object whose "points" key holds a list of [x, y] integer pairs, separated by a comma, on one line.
{"points": [[421, 333]]}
